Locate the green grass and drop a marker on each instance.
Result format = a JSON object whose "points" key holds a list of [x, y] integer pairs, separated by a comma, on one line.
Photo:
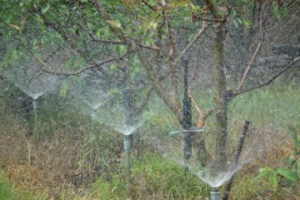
{"points": [[6, 190], [276, 105], [153, 177], [9, 192]]}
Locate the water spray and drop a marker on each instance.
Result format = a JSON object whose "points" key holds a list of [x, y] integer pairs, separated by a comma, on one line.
{"points": [[215, 194]]}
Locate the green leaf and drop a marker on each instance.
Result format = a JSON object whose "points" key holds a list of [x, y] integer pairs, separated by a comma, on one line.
{"points": [[64, 90], [293, 131], [46, 8], [153, 25], [247, 22], [122, 49], [113, 91], [273, 179], [233, 13], [287, 173], [14, 55], [235, 23], [113, 66], [115, 23], [7, 17], [263, 172], [98, 33]]}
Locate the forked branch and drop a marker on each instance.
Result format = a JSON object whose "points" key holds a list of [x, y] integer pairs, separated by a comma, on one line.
{"points": [[203, 114]]}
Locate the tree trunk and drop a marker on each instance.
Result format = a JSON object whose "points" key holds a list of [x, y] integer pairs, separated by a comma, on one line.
{"points": [[220, 98]]}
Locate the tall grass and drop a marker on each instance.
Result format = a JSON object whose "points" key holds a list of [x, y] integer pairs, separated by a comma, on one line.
{"points": [[276, 105], [153, 177], [270, 109]]}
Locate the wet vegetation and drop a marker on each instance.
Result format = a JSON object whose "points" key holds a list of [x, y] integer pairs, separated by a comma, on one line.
{"points": [[134, 99]]}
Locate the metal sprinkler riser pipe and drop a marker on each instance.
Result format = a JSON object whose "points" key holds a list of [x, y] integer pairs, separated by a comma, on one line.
{"points": [[126, 143], [93, 115], [215, 195], [34, 104]]}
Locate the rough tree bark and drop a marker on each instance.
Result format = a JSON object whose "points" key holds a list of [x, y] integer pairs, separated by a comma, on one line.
{"points": [[220, 98]]}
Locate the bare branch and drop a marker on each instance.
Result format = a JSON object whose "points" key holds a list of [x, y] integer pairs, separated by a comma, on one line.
{"points": [[249, 66], [154, 48], [37, 58], [40, 60], [145, 100], [175, 108], [236, 93], [116, 42], [262, 35], [195, 38], [148, 94], [210, 20], [87, 68]]}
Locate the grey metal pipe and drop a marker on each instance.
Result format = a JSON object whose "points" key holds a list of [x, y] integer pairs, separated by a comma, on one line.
{"points": [[92, 146], [35, 107], [93, 121], [127, 158], [215, 194]]}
